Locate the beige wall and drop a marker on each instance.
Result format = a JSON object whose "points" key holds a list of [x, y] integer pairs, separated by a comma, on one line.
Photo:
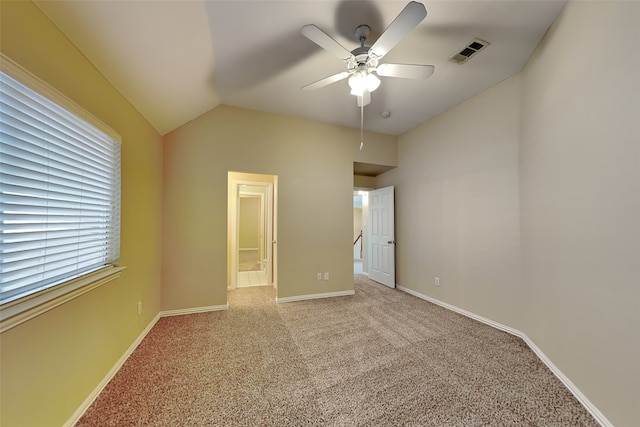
{"points": [[580, 202], [529, 212], [314, 165], [249, 227], [457, 213], [361, 181], [50, 364]]}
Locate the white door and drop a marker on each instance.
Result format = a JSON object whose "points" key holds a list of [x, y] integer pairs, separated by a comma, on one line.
{"points": [[382, 266]]}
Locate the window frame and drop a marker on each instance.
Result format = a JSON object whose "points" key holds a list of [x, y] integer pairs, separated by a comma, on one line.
{"points": [[15, 312]]}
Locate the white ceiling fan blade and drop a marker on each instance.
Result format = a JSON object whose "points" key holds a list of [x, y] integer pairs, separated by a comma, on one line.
{"points": [[327, 81], [407, 20], [365, 99], [323, 40], [405, 71]]}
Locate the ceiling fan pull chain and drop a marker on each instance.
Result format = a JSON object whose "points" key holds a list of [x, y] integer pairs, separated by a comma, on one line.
{"points": [[361, 126]]}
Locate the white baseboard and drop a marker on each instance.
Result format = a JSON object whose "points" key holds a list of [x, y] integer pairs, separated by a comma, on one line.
{"points": [[112, 372], [315, 296], [204, 309], [600, 418], [459, 310]]}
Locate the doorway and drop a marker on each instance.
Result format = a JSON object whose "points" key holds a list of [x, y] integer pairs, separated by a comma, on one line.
{"points": [[374, 234], [252, 225], [359, 222], [251, 230]]}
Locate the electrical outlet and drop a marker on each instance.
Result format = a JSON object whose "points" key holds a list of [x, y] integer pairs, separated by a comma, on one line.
{"points": [[319, 276], [437, 281], [139, 308], [326, 276]]}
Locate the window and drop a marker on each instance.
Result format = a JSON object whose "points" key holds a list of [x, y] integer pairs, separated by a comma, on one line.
{"points": [[59, 194]]}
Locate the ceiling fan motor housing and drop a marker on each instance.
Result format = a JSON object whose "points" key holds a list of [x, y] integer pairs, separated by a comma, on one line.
{"points": [[361, 54], [362, 33], [361, 59]]}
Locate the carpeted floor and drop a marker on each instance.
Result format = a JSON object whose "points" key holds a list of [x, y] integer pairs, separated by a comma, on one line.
{"points": [[379, 358]]}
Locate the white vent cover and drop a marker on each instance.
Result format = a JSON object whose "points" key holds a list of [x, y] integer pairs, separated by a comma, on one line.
{"points": [[470, 50]]}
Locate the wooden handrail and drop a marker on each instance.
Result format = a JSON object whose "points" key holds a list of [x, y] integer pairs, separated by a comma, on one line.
{"points": [[358, 238]]}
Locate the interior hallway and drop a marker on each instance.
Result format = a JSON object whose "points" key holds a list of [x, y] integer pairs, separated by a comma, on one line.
{"points": [[249, 270]]}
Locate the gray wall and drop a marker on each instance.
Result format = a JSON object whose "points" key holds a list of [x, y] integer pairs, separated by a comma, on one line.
{"points": [[580, 202], [525, 201]]}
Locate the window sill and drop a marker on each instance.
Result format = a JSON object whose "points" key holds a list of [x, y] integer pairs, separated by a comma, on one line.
{"points": [[16, 312]]}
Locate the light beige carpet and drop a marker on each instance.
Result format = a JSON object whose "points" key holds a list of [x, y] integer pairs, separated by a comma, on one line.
{"points": [[379, 358]]}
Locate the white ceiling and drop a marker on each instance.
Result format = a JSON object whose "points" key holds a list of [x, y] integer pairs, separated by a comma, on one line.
{"points": [[174, 60]]}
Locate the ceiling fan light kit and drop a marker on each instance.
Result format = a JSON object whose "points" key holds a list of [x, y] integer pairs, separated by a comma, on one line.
{"points": [[361, 81], [363, 61]]}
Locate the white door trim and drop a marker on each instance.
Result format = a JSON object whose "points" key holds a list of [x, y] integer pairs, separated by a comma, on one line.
{"points": [[233, 221]]}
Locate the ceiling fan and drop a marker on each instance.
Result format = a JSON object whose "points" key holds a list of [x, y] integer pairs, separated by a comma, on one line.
{"points": [[363, 62]]}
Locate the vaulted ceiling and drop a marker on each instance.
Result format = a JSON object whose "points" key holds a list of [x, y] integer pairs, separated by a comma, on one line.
{"points": [[174, 60]]}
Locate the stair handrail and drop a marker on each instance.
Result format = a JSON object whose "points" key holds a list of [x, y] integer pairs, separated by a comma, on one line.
{"points": [[356, 241], [358, 238]]}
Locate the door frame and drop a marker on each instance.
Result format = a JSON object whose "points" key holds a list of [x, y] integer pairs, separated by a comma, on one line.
{"points": [[270, 182], [263, 227]]}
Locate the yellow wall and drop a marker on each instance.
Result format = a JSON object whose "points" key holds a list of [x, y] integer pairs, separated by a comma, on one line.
{"points": [[314, 165], [50, 364]]}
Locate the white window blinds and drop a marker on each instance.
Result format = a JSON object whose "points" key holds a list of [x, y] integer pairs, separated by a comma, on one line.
{"points": [[59, 194]]}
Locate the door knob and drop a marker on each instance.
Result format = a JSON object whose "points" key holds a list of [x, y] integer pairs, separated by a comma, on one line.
{"points": [[391, 242]]}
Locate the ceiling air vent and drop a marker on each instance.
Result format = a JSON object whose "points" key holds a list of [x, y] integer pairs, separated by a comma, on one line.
{"points": [[470, 50]]}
